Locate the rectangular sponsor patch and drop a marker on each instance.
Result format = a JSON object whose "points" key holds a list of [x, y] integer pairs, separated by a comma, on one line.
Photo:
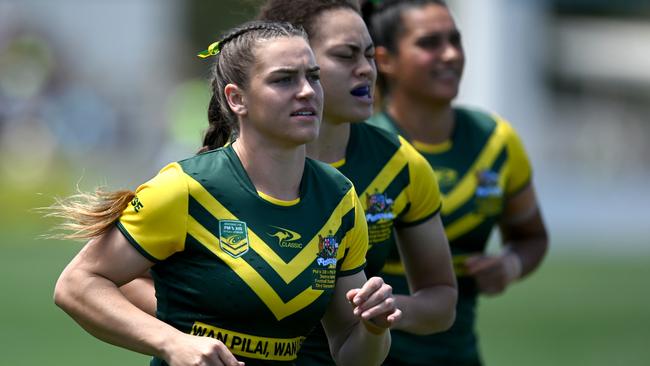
{"points": [[247, 345]]}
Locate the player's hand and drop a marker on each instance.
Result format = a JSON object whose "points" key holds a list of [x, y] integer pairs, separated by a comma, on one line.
{"points": [[493, 273], [189, 350], [374, 303]]}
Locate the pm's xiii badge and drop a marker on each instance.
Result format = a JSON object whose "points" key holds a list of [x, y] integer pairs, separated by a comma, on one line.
{"points": [[233, 237]]}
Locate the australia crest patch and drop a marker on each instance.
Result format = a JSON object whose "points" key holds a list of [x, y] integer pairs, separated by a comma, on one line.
{"points": [[233, 237], [324, 275], [327, 249]]}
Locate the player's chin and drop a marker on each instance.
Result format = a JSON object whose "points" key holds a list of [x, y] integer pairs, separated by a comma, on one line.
{"points": [[359, 113], [444, 93], [304, 134]]}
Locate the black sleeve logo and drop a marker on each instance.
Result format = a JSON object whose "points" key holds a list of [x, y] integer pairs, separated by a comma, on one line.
{"points": [[137, 205]]}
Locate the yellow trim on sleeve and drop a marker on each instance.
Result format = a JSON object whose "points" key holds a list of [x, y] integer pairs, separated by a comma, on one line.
{"points": [[520, 169], [357, 239], [156, 218]]}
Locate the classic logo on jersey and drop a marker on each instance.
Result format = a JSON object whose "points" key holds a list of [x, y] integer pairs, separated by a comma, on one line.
{"points": [[327, 249], [378, 207], [489, 196], [447, 178], [286, 238], [233, 237]]}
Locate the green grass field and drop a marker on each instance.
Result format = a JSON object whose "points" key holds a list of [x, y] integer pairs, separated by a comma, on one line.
{"points": [[577, 310], [574, 311]]}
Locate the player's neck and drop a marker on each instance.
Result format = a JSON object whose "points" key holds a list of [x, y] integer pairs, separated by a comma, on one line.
{"points": [[332, 142], [421, 120], [273, 170]]}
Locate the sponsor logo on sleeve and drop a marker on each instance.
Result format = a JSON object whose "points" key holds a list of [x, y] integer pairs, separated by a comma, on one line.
{"points": [[137, 205]]}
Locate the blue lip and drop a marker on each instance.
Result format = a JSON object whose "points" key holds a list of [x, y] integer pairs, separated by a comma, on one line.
{"points": [[361, 92]]}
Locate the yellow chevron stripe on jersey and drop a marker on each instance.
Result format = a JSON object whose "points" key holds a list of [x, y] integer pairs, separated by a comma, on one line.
{"points": [[467, 186], [400, 202], [387, 173], [288, 271], [252, 278], [468, 222], [463, 225]]}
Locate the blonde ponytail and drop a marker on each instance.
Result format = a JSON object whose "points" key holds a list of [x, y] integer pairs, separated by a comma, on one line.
{"points": [[88, 215]]}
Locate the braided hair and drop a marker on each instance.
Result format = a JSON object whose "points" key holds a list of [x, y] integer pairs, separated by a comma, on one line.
{"points": [[232, 65]]}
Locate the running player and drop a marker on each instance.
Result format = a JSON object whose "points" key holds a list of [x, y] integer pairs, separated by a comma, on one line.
{"points": [[211, 229], [482, 168], [396, 185]]}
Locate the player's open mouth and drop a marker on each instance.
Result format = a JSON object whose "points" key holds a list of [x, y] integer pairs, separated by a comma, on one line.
{"points": [[362, 91], [304, 112]]}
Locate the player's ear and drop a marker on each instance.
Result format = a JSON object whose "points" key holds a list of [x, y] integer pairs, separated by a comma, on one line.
{"points": [[385, 61], [236, 99]]}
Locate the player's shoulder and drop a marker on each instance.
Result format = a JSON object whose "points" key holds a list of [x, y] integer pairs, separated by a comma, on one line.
{"points": [[327, 176], [205, 161], [383, 121], [482, 122], [372, 133]]}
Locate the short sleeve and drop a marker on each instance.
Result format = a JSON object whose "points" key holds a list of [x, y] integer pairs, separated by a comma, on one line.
{"points": [[355, 240], [520, 170], [423, 191], [155, 222]]}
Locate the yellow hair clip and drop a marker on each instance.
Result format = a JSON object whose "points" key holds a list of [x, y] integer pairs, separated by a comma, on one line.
{"points": [[212, 50]]}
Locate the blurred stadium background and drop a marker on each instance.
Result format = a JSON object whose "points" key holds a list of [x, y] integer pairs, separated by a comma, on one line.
{"points": [[104, 93]]}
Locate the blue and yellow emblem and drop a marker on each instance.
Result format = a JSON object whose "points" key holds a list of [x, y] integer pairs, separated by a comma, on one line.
{"points": [[233, 237], [378, 208], [327, 250], [325, 273], [489, 195]]}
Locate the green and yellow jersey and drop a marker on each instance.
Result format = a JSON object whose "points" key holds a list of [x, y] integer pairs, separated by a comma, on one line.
{"points": [[230, 263], [397, 188], [480, 166]]}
